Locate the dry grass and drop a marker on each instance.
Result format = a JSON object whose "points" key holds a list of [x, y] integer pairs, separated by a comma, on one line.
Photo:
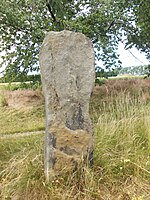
{"points": [[24, 98], [22, 177], [121, 159], [117, 95], [21, 111]]}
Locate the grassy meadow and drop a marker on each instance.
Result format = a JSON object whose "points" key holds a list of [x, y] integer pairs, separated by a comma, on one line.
{"points": [[120, 112]]}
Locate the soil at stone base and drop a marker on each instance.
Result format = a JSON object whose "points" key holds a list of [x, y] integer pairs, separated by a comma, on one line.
{"points": [[23, 98]]}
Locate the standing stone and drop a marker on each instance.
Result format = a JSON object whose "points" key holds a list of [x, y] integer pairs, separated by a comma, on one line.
{"points": [[68, 75]]}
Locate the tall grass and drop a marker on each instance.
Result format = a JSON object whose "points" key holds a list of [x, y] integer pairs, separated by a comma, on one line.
{"points": [[121, 169], [123, 141]]}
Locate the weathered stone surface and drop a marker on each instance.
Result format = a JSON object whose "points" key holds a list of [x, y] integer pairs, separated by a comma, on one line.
{"points": [[68, 74]]}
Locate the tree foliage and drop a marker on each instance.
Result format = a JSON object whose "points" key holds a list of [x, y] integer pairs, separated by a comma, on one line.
{"points": [[135, 70], [25, 22]]}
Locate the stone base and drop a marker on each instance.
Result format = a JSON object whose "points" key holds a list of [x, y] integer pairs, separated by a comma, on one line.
{"points": [[70, 148]]}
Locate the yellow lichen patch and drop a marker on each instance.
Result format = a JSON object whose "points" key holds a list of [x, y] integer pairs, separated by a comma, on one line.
{"points": [[71, 147], [65, 163]]}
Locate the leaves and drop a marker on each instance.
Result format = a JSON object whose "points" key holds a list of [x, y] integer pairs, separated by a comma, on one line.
{"points": [[25, 22]]}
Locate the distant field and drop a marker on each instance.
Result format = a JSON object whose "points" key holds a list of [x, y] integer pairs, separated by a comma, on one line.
{"points": [[126, 77], [14, 83]]}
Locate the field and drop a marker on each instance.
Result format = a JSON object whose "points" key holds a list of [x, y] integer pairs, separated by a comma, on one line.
{"points": [[120, 112]]}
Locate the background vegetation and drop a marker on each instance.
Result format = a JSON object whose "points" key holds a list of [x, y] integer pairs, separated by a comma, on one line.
{"points": [[107, 22]]}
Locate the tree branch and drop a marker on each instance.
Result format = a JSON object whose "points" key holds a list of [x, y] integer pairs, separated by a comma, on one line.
{"points": [[50, 10], [111, 24]]}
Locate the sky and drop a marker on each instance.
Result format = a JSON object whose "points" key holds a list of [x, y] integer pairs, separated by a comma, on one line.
{"points": [[131, 57], [131, 60]]}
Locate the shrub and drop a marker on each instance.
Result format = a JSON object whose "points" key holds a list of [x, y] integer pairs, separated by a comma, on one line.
{"points": [[100, 81], [24, 85]]}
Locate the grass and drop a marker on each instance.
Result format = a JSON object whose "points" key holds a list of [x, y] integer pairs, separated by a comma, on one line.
{"points": [[21, 119], [14, 120], [124, 144], [3, 101], [18, 157], [121, 170]]}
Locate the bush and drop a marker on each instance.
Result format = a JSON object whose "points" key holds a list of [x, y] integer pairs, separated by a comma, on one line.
{"points": [[100, 81], [24, 85]]}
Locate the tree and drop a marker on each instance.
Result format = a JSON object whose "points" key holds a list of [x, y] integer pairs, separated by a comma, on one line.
{"points": [[25, 22], [147, 70], [135, 70], [139, 36]]}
